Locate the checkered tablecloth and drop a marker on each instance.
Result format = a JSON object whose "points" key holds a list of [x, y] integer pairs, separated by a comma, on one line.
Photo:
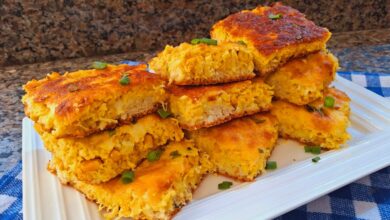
{"points": [[367, 198]]}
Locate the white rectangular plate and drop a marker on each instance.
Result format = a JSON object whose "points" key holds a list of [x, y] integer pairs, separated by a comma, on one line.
{"points": [[296, 181]]}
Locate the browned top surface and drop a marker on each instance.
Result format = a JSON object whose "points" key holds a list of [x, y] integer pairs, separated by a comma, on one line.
{"points": [[84, 87], [269, 35]]}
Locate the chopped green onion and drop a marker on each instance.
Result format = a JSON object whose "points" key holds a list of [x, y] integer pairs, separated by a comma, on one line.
{"points": [[316, 159], [275, 17], [195, 41], [128, 176], [99, 65], [175, 154], [111, 132], [258, 121], [225, 185], [204, 41], [163, 113], [72, 88], [125, 80], [313, 149], [271, 165], [241, 42], [154, 155], [329, 102]]}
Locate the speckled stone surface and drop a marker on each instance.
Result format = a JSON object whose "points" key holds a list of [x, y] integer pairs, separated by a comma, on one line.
{"points": [[353, 53], [36, 31]]}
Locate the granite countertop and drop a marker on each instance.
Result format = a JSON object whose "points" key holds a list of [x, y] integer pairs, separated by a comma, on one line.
{"points": [[357, 51]]}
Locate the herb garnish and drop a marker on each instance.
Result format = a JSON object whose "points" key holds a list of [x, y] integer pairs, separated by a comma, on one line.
{"points": [[329, 102], [258, 121], [124, 80], [225, 185], [275, 16], [241, 42], [316, 159], [111, 132], [128, 177], [163, 113], [313, 149], [154, 155], [175, 154], [99, 65], [204, 41], [271, 165]]}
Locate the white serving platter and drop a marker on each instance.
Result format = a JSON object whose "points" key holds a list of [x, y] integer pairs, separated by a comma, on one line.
{"points": [[296, 181]]}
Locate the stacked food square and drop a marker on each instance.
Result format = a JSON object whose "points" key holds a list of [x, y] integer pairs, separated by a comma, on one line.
{"points": [[116, 132], [290, 52]]}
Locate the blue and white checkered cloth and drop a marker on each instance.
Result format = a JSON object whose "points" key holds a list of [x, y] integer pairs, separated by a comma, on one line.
{"points": [[367, 198]]}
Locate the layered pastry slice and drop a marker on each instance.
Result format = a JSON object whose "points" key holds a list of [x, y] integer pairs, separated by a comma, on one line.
{"points": [[206, 106], [274, 34], [79, 103], [102, 156], [204, 64], [323, 122], [239, 148], [156, 189], [303, 80]]}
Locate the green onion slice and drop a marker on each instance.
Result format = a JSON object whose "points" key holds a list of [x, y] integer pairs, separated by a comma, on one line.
{"points": [[329, 102], [275, 16], [316, 159], [128, 176], [163, 113], [225, 185], [154, 155], [175, 154], [99, 65], [271, 165], [241, 42], [124, 80], [111, 132], [258, 121], [313, 149], [204, 41]]}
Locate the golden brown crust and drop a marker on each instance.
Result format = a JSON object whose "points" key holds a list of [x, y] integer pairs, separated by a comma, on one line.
{"points": [[314, 123], [239, 148], [203, 64], [269, 36], [83, 87], [81, 103], [303, 80]]}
